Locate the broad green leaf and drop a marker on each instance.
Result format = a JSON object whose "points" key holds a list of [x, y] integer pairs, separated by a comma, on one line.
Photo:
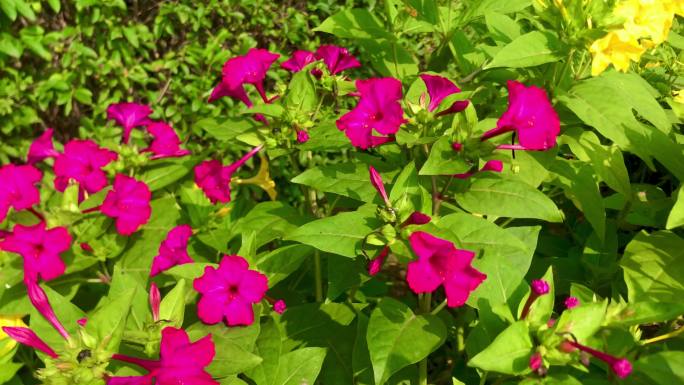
{"points": [[196, 204], [301, 97], [397, 337], [676, 217], [269, 348], [340, 234], [528, 50], [32, 37], [233, 347], [189, 271], [357, 23], [172, 307], [443, 160], [325, 136], [636, 313], [300, 366], [509, 353], [163, 173], [407, 187], [508, 198], [503, 28], [347, 179], [582, 321], [11, 46], [55, 5], [654, 267], [504, 7], [227, 129], [283, 261], [9, 7], [108, 321], [272, 110], [389, 58], [8, 370], [269, 220], [666, 367]]}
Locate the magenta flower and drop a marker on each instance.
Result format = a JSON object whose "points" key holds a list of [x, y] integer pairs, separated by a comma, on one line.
{"points": [[302, 136], [531, 115], [82, 161], [129, 116], [246, 69], [165, 142], [129, 203], [180, 362], [375, 264], [18, 188], [536, 361], [40, 249], [490, 165], [416, 218], [440, 263], [298, 61], [214, 178], [378, 109], [376, 181], [439, 88], [620, 366], [28, 337], [173, 250], [337, 59], [572, 302], [40, 301], [538, 287], [155, 301], [229, 292], [42, 148]]}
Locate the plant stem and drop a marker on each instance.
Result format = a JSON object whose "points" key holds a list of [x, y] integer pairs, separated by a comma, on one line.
{"points": [[319, 278], [483, 379], [424, 305], [663, 337]]}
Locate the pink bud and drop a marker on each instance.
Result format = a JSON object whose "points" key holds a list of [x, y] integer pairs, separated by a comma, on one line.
{"points": [[27, 337], [86, 247], [536, 361], [622, 368], [571, 302], [155, 300], [540, 287], [82, 322], [40, 301], [376, 181], [375, 265], [457, 146], [279, 306], [302, 136]]}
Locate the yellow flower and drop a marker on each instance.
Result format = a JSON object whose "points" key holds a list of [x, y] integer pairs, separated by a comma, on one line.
{"points": [[679, 96], [262, 179], [647, 18], [617, 48], [6, 343]]}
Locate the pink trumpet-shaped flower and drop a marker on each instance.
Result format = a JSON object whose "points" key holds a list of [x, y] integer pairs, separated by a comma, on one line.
{"points": [[82, 161], [18, 188], [531, 115], [298, 61], [378, 110], [375, 264], [42, 148], [376, 181], [155, 301], [129, 116], [214, 178], [40, 249], [490, 165], [229, 292], [40, 301], [28, 337], [440, 263], [129, 203], [538, 287], [439, 88], [620, 366], [337, 59], [165, 142], [173, 250], [572, 302], [246, 69], [180, 362]]}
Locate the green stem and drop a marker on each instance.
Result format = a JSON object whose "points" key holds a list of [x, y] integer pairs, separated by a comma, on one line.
{"points": [[483, 379], [424, 302], [319, 278]]}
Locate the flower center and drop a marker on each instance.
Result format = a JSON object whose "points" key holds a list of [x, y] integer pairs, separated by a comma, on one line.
{"points": [[233, 291]]}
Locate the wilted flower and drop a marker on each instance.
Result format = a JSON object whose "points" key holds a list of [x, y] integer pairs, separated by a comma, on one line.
{"points": [[378, 109], [180, 362], [129, 203], [298, 61], [42, 148], [165, 142], [531, 115], [18, 188], [129, 116], [620, 366], [173, 250], [82, 161], [40, 249], [440, 263], [214, 178], [337, 59], [229, 292], [439, 88], [538, 287], [246, 69]]}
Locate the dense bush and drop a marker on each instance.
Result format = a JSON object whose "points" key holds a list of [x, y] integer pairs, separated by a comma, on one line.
{"points": [[217, 192]]}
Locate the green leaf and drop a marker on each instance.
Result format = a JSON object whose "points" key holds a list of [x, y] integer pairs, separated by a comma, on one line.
{"points": [[407, 187], [503, 28], [272, 110], [665, 367], [397, 338], [32, 38], [443, 160], [528, 50], [582, 321], [108, 321], [487, 6], [8, 370], [189, 271], [301, 97], [269, 348], [84, 96], [165, 172], [9, 7], [269, 220], [24, 9], [300, 366], [347, 179], [676, 217], [341, 234], [67, 313], [55, 5], [509, 353], [131, 35], [636, 313], [11, 46], [226, 129], [389, 58], [325, 136], [654, 267], [172, 307], [283, 261], [233, 347], [508, 198], [354, 23]]}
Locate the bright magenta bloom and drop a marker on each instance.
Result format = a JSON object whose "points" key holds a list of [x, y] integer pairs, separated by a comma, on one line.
{"points": [[531, 115], [441, 263], [173, 250], [18, 188], [28, 337], [40, 249], [214, 178], [129, 116], [165, 143], [438, 88], [246, 69], [180, 362], [378, 109], [129, 203], [229, 292], [82, 161], [298, 61], [42, 148], [620, 366], [337, 59]]}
